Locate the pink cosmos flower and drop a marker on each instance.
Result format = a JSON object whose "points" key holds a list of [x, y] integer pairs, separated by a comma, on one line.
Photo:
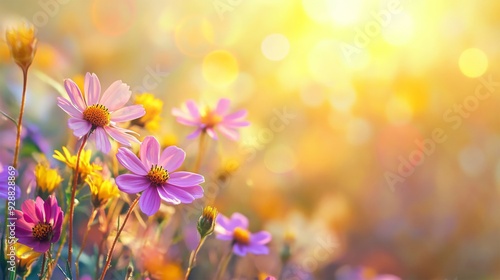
{"points": [[207, 119], [236, 230], [90, 114], [270, 278], [39, 223], [154, 175]]}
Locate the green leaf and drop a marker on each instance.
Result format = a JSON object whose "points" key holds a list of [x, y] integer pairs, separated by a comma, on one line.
{"points": [[8, 117]]}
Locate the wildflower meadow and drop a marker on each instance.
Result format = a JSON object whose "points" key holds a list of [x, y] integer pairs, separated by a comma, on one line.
{"points": [[249, 140]]}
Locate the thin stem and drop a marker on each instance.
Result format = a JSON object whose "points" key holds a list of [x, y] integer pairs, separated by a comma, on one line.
{"points": [[9, 117], [43, 265], [72, 202], [89, 225], [61, 245], [18, 144], [201, 151], [223, 264], [110, 253], [20, 121], [192, 258]]}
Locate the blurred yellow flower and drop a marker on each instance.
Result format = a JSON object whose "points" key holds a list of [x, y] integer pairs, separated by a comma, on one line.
{"points": [[46, 179], [25, 256], [227, 170], [102, 190], [85, 168], [153, 107], [168, 139], [22, 45]]}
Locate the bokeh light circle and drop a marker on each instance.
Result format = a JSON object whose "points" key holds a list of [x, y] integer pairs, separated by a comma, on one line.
{"points": [[473, 62], [220, 68], [280, 159], [400, 29], [275, 47], [194, 36]]}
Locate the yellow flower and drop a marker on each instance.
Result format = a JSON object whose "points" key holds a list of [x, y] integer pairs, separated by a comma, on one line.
{"points": [[229, 167], [206, 223], [85, 168], [25, 256], [22, 45], [168, 139], [153, 107], [102, 189], [46, 179]]}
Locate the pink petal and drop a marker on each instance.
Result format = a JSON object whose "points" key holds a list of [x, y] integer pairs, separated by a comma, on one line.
{"points": [[150, 201], [116, 96], [225, 236], [240, 250], [128, 113], [185, 179], [238, 220], [222, 106], [75, 95], [258, 249], [223, 222], [102, 141], [28, 208], [194, 134], [130, 161], [57, 228], [39, 209], [92, 89], [80, 127], [211, 133], [237, 115], [179, 193], [150, 151], [167, 196], [131, 183], [184, 117], [67, 107], [121, 135], [172, 158], [193, 109], [261, 237], [229, 133]]}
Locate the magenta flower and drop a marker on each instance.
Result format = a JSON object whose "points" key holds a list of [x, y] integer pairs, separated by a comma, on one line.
{"points": [[90, 114], [236, 230], [154, 175], [8, 187], [39, 223], [207, 119]]}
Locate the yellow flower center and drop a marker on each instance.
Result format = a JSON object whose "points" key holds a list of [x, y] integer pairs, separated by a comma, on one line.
{"points": [[241, 236], [157, 175], [97, 115], [42, 231], [209, 118]]}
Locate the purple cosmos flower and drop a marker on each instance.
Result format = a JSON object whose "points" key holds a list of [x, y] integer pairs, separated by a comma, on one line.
{"points": [[362, 273], [207, 119], [236, 230], [8, 177], [154, 174], [91, 114], [270, 278], [39, 223]]}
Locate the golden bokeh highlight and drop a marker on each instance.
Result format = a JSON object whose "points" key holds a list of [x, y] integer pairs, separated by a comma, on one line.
{"points": [[194, 36], [473, 62], [113, 17], [220, 68]]}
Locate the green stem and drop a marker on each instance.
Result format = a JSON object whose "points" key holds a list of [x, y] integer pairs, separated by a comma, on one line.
{"points": [[192, 258], [110, 253], [72, 202], [89, 225], [223, 264], [201, 151]]}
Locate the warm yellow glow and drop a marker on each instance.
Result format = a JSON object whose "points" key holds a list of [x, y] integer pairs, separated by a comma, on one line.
{"points": [[275, 47], [220, 68], [473, 62]]}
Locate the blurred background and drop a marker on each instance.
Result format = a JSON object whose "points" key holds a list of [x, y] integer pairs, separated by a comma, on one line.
{"points": [[374, 145]]}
